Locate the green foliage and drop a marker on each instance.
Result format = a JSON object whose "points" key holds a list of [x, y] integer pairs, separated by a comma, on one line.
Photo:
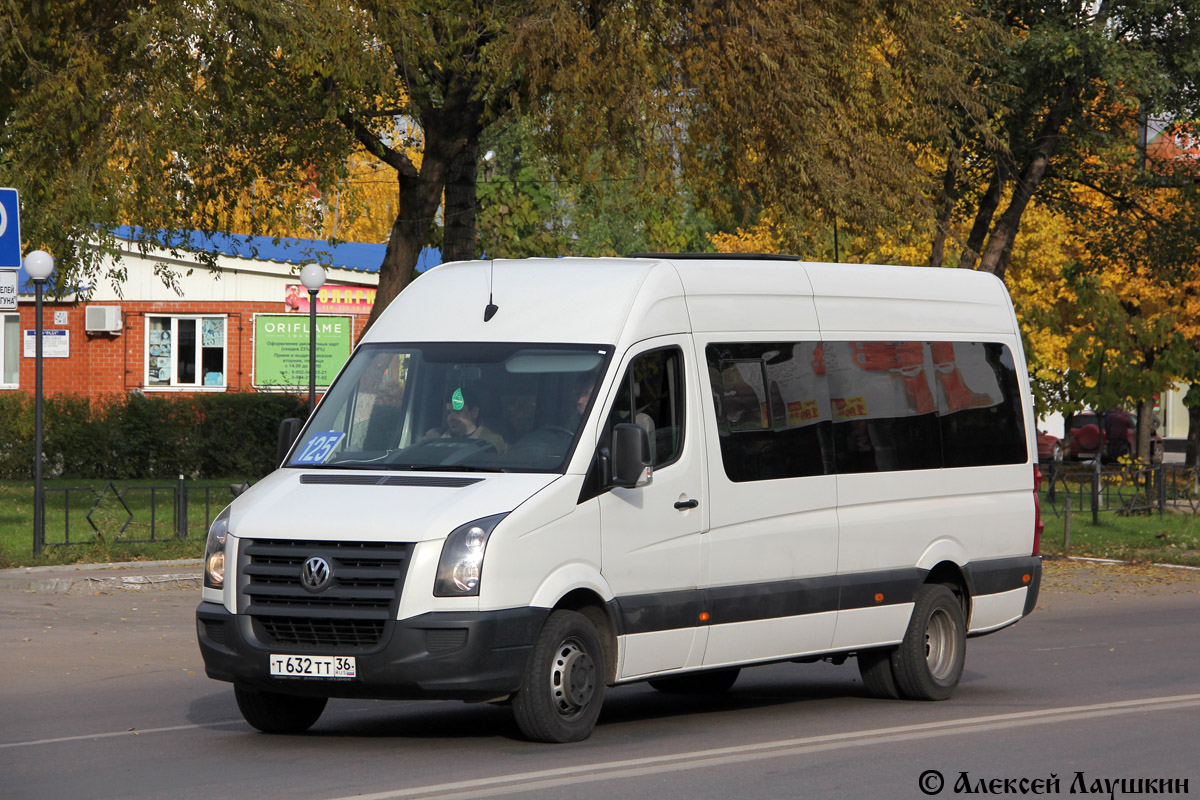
{"points": [[134, 436], [157, 114]]}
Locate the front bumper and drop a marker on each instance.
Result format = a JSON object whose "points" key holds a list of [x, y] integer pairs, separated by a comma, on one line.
{"points": [[470, 656]]}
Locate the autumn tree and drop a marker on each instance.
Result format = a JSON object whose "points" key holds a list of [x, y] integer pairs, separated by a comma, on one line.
{"points": [[137, 112], [1069, 78]]}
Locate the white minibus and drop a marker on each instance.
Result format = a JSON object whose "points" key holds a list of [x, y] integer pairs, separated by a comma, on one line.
{"points": [[538, 479]]}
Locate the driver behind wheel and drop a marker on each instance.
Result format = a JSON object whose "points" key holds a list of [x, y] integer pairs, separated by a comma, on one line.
{"points": [[462, 421]]}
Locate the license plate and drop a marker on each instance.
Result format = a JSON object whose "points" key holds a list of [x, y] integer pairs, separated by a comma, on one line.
{"points": [[313, 666]]}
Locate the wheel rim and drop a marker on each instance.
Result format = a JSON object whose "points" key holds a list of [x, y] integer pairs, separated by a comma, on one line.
{"points": [[572, 678], [941, 646]]}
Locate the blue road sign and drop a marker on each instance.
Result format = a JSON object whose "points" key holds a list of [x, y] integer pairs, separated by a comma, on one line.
{"points": [[10, 229]]}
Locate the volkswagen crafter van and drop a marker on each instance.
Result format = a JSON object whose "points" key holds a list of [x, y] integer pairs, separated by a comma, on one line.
{"points": [[537, 479]]}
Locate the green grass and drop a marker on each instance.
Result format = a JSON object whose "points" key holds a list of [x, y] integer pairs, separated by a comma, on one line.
{"points": [[109, 543], [1173, 538]]}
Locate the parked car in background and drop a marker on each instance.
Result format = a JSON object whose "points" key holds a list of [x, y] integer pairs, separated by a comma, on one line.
{"points": [[1049, 447], [1120, 437]]}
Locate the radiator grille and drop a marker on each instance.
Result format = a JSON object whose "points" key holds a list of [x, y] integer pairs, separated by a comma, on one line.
{"points": [[324, 633], [351, 611]]}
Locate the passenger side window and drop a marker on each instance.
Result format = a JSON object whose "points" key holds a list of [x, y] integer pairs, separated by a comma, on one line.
{"points": [[773, 415], [651, 395], [791, 409]]}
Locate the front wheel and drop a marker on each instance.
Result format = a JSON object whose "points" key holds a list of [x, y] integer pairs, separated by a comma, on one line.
{"points": [[272, 712], [563, 686], [929, 661]]}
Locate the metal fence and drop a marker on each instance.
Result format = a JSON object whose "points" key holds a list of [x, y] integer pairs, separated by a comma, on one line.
{"points": [[1124, 489], [133, 514]]}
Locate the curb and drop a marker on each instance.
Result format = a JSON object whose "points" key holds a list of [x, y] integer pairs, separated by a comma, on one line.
{"points": [[1116, 561], [129, 576]]}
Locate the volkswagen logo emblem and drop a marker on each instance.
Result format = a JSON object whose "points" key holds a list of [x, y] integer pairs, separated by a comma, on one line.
{"points": [[315, 574]]}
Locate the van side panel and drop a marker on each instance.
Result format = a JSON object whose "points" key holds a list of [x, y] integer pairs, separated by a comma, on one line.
{"points": [[748, 296], [772, 560], [863, 299]]}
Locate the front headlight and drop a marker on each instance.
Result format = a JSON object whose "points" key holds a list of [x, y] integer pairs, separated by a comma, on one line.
{"points": [[461, 566], [214, 551]]}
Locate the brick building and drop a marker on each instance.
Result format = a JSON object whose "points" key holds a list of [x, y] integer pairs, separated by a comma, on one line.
{"points": [[240, 327]]}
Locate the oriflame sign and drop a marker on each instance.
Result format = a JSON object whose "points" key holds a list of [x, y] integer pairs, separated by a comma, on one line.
{"points": [[281, 349]]}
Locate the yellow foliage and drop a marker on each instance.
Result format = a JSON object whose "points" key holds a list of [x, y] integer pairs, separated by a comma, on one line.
{"points": [[761, 238]]}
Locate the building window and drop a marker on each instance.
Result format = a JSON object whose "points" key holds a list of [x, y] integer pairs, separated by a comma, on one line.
{"points": [[185, 352], [10, 350]]}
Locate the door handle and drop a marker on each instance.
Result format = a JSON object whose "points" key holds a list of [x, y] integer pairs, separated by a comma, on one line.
{"points": [[684, 505]]}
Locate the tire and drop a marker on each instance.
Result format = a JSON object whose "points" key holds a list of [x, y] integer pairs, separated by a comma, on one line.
{"points": [[272, 712], [716, 681], [563, 686], [928, 663], [875, 667]]}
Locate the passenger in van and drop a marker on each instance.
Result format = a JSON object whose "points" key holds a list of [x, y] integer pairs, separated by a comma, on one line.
{"points": [[581, 395], [462, 421]]}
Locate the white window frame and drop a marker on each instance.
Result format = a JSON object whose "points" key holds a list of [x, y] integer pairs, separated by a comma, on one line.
{"points": [[175, 386], [4, 349]]}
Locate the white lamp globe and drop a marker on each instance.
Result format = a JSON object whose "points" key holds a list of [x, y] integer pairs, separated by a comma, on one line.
{"points": [[313, 277], [39, 264]]}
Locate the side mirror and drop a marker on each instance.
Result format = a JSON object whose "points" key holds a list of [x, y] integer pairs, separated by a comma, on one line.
{"points": [[631, 456], [289, 429]]}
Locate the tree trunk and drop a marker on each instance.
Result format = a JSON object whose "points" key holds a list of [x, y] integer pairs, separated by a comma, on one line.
{"points": [[458, 233], [998, 252], [996, 255], [1192, 456], [1144, 426], [448, 131], [419, 201], [983, 220], [946, 200]]}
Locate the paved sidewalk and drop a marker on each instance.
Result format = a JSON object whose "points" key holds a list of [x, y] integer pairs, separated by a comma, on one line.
{"points": [[93, 578]]}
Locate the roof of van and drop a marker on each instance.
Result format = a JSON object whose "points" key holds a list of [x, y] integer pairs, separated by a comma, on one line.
{"points": [[621, 300]]}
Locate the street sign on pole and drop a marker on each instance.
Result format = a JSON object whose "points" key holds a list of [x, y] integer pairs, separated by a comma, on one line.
{"points": [[10, 229], [8, 290]]}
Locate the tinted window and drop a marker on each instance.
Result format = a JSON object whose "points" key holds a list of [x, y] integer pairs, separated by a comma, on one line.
{"points": [[979, 404], [884, 406], [651, 395], [789, 409], [772, 405]]}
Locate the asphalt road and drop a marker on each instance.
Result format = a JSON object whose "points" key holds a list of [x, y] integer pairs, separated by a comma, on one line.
{"points": [[104, 696]]}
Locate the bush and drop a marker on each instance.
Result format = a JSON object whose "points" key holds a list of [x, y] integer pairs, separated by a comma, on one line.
{"points": [[135, 436]]}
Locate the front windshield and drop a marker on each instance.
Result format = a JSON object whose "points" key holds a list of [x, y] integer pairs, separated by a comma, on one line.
{"points": [[455, 407]]}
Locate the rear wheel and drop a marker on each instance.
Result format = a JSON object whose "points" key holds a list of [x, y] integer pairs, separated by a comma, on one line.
{"points": [[929, 661], [711, 682], [875, 666], [272, 712], [563, 686]]}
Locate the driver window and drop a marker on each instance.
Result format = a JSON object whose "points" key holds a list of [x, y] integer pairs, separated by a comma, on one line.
{"points": [[651, 395]]}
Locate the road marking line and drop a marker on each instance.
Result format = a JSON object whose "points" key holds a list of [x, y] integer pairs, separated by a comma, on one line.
{"points": [[630, 768], [134, 732]]}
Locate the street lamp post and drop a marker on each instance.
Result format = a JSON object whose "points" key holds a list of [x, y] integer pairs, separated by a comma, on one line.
{"points": [[313, 278], [38, 265]]}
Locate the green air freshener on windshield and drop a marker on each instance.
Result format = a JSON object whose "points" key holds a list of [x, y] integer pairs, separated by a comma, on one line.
{"points": [[456, 400]]}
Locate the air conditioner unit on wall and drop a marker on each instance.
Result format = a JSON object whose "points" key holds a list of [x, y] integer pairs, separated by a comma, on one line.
{"points": [[102, 319]]}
